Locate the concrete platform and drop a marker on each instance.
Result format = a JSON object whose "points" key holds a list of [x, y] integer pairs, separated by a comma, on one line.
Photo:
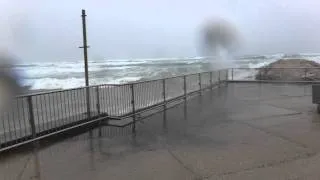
{"points": [[242, 131]]}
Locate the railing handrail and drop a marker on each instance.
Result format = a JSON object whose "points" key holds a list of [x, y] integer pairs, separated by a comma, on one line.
{"points": [[276, 68]]}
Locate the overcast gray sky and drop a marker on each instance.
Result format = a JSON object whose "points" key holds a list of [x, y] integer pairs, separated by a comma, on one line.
{"points": [[51, 29]]}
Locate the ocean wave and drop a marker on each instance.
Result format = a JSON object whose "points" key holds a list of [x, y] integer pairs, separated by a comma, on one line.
{"points": [[63, 75]]}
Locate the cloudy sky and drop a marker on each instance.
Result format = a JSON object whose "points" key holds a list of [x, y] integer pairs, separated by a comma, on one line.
{"points": [[50, 30]]}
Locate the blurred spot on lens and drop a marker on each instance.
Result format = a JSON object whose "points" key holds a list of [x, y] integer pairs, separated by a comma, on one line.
{"points": [[9, 82], [219, 33]]}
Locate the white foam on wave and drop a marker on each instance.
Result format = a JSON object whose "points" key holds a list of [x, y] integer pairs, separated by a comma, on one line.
{"points": [[314, 58], [261, 64], [249, 74], [268, 59], [119, 68], [122, 62], [53, 83], [124, 80], [43, 70], [244, 74], [46, 69]]}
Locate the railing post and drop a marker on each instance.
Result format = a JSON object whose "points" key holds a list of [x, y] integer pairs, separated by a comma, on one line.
{"points": [[200, 87], [164, 104], [211, 80], [185, 87], [133, 109], [98, 100], [31, 117]]}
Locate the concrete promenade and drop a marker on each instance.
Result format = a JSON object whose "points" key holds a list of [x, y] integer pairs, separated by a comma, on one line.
{"points": [[242, 131]]}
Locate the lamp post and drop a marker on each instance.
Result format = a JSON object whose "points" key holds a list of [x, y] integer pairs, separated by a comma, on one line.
{"points": [[85, 56]]}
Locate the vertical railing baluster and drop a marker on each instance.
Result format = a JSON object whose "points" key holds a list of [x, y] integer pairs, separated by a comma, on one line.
{"points": [[98, 100], [31, 117], [211, 80], [200, 88], [185, 87], [133, 109], [232, 74]]}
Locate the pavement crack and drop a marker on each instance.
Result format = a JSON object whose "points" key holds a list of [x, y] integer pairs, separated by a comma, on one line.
{"points": [[273, 116], [19, 176], [266, 165], [289, 109], [302, 145], [197, 176]]}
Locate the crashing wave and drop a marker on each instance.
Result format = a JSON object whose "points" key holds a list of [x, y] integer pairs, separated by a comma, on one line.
{"points": [[63, 75]]}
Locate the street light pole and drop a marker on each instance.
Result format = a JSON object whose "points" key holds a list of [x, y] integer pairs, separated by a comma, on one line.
{"points": [[85, 46], [85, 56]]}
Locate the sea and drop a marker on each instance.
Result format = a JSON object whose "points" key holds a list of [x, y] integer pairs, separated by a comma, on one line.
{"points": [[70, 74]]}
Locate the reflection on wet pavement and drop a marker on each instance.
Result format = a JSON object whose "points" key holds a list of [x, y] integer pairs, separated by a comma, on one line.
{"points": [[241, 131]]}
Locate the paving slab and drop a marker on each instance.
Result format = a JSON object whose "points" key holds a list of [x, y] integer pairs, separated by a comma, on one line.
{"points": [[239, 147], [304, 169], [300, 104], [305, 130]]}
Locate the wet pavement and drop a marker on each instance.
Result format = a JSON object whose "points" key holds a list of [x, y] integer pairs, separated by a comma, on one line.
{"points": [[241, 131]]}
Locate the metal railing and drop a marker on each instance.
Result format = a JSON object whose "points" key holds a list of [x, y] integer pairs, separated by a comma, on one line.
{"points": [[283, 75], [34, 116]]}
